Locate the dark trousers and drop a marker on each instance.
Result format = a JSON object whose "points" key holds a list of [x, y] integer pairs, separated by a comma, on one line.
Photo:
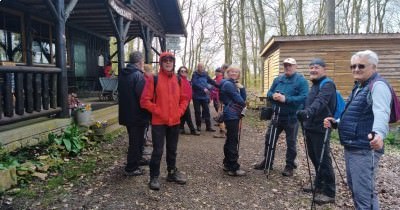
{"points": [[135, 149], [231, 151], [201, 109], [187, 117], [325, 179], [290, 128], [170, 134]]}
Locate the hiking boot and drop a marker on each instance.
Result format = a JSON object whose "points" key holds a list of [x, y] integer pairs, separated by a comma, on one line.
{"points": [[321, 199], [288, 171], [237, 173], [176, 176], [198, 128], [136, 172], [210, 130], [154, 184], [144, 162], [261, 166], [195, 133]]}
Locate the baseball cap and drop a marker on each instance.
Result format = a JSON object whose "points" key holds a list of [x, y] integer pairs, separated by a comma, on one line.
{"points": [[317, 61], [290, 61]]}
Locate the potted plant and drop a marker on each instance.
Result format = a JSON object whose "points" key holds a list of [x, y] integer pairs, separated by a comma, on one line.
{"points": [[83, 115], [99, 128]]}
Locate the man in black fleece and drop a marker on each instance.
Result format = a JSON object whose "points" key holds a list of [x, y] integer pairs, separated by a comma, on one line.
{"points": [[130, 87], [320, 103]]}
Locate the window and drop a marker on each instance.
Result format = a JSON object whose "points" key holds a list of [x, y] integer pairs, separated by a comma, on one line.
{"points": [[42, 47], [10, 38]]}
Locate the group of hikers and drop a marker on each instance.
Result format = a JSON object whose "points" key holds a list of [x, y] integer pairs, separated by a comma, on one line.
{"points": [[163, 100]]}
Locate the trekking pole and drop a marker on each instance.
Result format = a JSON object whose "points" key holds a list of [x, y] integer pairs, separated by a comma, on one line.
{"points": [[319, 165], [337, 166], [269, 139], [373, 133], [239, 133], [274, 121], [306, 149]]}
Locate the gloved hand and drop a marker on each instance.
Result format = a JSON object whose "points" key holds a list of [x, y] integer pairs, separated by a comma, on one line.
{"points": [[302, 115]]}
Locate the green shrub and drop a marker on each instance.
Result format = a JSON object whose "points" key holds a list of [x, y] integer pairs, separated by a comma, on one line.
{"points": [[72, 139]]}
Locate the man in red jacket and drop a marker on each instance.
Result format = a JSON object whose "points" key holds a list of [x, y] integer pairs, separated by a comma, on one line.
{"points": [[167, 100]]}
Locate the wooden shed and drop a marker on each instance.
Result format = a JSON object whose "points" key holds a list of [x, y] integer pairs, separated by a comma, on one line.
{"points": [[336, 50]]}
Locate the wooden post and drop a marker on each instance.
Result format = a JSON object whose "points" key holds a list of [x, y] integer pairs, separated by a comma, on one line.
{"points": [[61, 59], [120, 44]]}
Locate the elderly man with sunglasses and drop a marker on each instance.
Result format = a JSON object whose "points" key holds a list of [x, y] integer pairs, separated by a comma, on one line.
{"points": [[363, 126]]}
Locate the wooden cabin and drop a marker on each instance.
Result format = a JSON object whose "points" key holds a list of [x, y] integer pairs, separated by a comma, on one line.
{"points": [[50, 47], [336, 50]]}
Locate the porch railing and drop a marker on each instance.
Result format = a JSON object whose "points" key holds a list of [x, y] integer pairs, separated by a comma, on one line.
{"points": [[28, 92]]}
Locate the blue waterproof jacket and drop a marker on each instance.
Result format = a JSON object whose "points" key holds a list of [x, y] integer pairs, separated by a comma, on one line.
{"points": [[199, 82], [234, 100], [295, 89]]}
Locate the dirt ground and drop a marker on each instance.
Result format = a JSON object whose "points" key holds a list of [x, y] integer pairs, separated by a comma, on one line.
{"points": [[208, 187]]}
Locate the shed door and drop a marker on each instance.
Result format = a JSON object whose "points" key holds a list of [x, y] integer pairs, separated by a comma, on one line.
{"points": [[80, 59]]}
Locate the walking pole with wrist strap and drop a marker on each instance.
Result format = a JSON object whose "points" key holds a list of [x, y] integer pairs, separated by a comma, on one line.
{"points": [[271, 141], [306, 149], [373, 133]]}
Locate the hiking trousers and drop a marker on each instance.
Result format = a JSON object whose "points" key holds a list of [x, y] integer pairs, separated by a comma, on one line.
{"points": [[161, 134]]}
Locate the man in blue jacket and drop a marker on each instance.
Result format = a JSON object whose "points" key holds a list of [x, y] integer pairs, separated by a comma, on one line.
{"points": [[362, 128], [287, 94], [201, 85]]}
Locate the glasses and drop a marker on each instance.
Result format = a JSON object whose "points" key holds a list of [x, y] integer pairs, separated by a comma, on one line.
{"points": [[184, 71], [168, 59], [359, 66]]}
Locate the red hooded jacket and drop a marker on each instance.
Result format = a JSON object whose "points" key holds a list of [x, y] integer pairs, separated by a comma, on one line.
{"points": [[168, 102]]}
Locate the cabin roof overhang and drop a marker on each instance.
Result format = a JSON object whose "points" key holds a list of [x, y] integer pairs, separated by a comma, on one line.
{"points": [[160, 16]]}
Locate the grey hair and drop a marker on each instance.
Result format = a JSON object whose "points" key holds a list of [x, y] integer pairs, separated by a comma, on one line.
{"points": [[370, 55], [135, 57], [233, 67]]}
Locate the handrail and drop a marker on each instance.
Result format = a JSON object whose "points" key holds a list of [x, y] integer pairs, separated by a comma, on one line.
{"points": [[29, 69]]}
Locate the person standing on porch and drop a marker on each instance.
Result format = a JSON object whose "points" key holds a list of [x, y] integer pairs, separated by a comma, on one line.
{"points": [[130, 87], [167, 101]]}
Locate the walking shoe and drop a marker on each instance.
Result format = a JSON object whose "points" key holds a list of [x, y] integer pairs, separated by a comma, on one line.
{"points": [[308, 189], [182, 131], [220, 135], [210, 130], [154, 184], [198, 128], [176, 176], [237, 173], [225, 168], [136, 172], [261, 166], [321, 199], [288, 171], [195, 133], [144, 162]]}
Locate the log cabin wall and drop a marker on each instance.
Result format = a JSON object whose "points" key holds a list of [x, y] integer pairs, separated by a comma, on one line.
{"points": [[337, 54]]}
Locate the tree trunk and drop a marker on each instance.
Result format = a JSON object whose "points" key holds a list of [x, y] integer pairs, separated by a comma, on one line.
{"points": [[330, 17], [300, 19], [282, 16]]}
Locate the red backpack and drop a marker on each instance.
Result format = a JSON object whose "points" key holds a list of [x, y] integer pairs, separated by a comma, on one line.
{"points": [[395, 105]]}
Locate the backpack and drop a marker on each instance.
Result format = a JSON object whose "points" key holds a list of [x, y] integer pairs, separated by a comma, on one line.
{"points": [[395, 105], [340, 103]]}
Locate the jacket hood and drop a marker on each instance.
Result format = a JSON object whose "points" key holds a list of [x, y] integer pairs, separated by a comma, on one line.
{"points": [[129, 69], [165, 55]]}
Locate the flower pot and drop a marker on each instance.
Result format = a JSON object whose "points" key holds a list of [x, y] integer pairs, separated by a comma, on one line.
{"points": [[99, 131], [83, 118]]}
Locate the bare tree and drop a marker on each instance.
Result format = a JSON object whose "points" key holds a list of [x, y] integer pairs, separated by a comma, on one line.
{"points": [[300, 19], [282, 18], [330, 16]]}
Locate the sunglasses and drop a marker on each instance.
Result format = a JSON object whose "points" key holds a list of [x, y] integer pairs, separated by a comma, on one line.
{"points": [[359, 66], [168, 59]]}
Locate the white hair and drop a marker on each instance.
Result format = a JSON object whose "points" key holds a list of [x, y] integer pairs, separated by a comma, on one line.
{"points": [[370, 55]]}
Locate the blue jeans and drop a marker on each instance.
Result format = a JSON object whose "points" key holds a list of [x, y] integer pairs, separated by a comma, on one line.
{"points": [[290, 129], [361, 177]]}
